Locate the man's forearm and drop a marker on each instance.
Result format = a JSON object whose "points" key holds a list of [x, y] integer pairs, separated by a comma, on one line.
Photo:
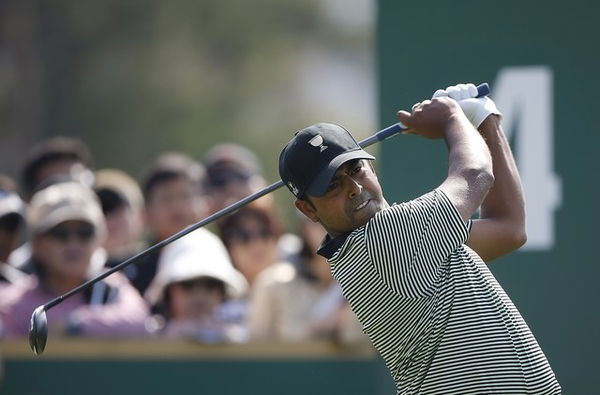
{"points": [[501, 227], [469, 167], [505, 199]]}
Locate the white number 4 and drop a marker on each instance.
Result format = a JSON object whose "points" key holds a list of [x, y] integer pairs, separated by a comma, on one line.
{"points": [[525, 97]]}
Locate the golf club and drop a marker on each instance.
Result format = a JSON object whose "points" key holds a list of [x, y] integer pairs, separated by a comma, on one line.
{"points": [[38, 332]]}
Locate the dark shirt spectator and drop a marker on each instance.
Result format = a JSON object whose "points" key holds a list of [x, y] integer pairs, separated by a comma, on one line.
{"points": [[173, 189], [122, 204]]}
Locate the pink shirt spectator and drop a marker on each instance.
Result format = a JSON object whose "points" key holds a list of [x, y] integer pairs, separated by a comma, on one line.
{"points": [[113, 308]]}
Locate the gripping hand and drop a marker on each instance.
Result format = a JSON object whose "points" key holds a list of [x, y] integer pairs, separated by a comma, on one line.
{"points": [[476, 109]]}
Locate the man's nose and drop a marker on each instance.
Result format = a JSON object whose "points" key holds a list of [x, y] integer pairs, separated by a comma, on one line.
{"points": [[354, 188]]}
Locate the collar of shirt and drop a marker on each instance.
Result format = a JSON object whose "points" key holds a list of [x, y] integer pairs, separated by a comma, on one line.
{"points": [[330, 245]]}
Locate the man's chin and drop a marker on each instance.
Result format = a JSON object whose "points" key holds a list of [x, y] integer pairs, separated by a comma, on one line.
{"points": [[363, 216]]}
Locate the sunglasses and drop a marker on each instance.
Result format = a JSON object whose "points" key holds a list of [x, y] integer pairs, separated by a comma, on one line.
{"points": [[243, 236], [64, 233], [207, 283]]}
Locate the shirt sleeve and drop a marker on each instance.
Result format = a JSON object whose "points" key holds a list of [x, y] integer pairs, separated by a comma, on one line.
{"points": [[408, 243]]}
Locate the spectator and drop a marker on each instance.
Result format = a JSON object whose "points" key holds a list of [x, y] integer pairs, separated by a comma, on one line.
{"points": [[233, 172], [12, 224], [56, 159], [122, 204], [251, 236], [194, 282], [67, 226], [304, 302], [175, 198]]}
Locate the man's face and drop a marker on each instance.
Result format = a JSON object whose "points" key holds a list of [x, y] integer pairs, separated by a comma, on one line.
{"points": [[173, 205], [253, 247], [124, 225], [66, 250], [352, 198], [195, 299]]}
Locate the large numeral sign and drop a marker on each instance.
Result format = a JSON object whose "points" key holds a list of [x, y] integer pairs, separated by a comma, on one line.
{"points": [[525, 97]]}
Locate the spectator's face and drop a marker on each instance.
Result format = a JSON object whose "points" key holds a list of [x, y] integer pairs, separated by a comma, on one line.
{"points": [[173, 205], [252, 247], [353, 197], [237, 189], [64, 166], [195, 299], [124, 226], [65, 251]]}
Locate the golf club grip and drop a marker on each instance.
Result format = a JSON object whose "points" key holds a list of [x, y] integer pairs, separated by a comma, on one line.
{"points": [[482, 90]]}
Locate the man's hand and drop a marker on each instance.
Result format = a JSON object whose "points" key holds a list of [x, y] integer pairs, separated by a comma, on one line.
{"points": [[476, 109], [431, 118]]}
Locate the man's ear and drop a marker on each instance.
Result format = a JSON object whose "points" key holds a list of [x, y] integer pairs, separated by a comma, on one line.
{"points": [[307, 209]]}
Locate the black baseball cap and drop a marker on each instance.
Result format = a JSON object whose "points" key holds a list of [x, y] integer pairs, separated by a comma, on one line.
{"points": [[309, 161]]}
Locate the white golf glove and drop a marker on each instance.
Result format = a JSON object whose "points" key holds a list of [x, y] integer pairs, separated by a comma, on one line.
{"points": [[476, 109]]}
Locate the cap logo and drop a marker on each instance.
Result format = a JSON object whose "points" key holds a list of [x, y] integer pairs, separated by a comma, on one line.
{"points": [[293, 188], [317, 141]]}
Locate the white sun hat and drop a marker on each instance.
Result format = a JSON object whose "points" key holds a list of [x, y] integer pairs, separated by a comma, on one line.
{"points": [[196, 255]]}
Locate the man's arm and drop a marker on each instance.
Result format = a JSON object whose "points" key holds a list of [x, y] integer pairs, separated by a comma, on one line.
{"points": [[469, 162], [501, 226]]}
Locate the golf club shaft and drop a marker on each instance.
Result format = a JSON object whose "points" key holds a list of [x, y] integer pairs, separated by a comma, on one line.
{"points": [[386, 133]]}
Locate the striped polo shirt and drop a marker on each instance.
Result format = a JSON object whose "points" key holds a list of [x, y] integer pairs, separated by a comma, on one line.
{"points": [[432, 308]]}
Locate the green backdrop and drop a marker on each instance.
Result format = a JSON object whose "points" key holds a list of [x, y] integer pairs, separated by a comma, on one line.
{"points": [[541, 60], [152, 367], [215, 377]]}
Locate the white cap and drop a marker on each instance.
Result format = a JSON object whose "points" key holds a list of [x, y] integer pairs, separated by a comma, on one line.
{"points": [[63, 202], [198, 254]]}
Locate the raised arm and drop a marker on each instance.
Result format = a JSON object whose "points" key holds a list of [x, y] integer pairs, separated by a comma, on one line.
{"points": [[500, 228], [469, 162]]}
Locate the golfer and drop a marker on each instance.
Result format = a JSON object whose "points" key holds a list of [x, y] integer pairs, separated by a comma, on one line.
{"points": [[415, 273]]}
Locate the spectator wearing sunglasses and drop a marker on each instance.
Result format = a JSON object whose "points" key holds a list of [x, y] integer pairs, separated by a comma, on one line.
{"points": [[234, 172], [67, 226], [251, 236], [51, 161]]}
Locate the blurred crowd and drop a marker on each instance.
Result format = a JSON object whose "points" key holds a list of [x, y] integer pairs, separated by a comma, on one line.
{"points": [[245, 278]]}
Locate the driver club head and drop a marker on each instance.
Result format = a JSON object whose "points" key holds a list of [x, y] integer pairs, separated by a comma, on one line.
{"points": [[38, 331]]}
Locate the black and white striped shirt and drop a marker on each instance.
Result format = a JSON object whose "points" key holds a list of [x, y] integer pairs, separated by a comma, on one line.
{"points": [[432, 308]]}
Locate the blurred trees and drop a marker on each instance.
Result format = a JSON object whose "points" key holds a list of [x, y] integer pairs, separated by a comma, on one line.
{"points": [[135, 77]]}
